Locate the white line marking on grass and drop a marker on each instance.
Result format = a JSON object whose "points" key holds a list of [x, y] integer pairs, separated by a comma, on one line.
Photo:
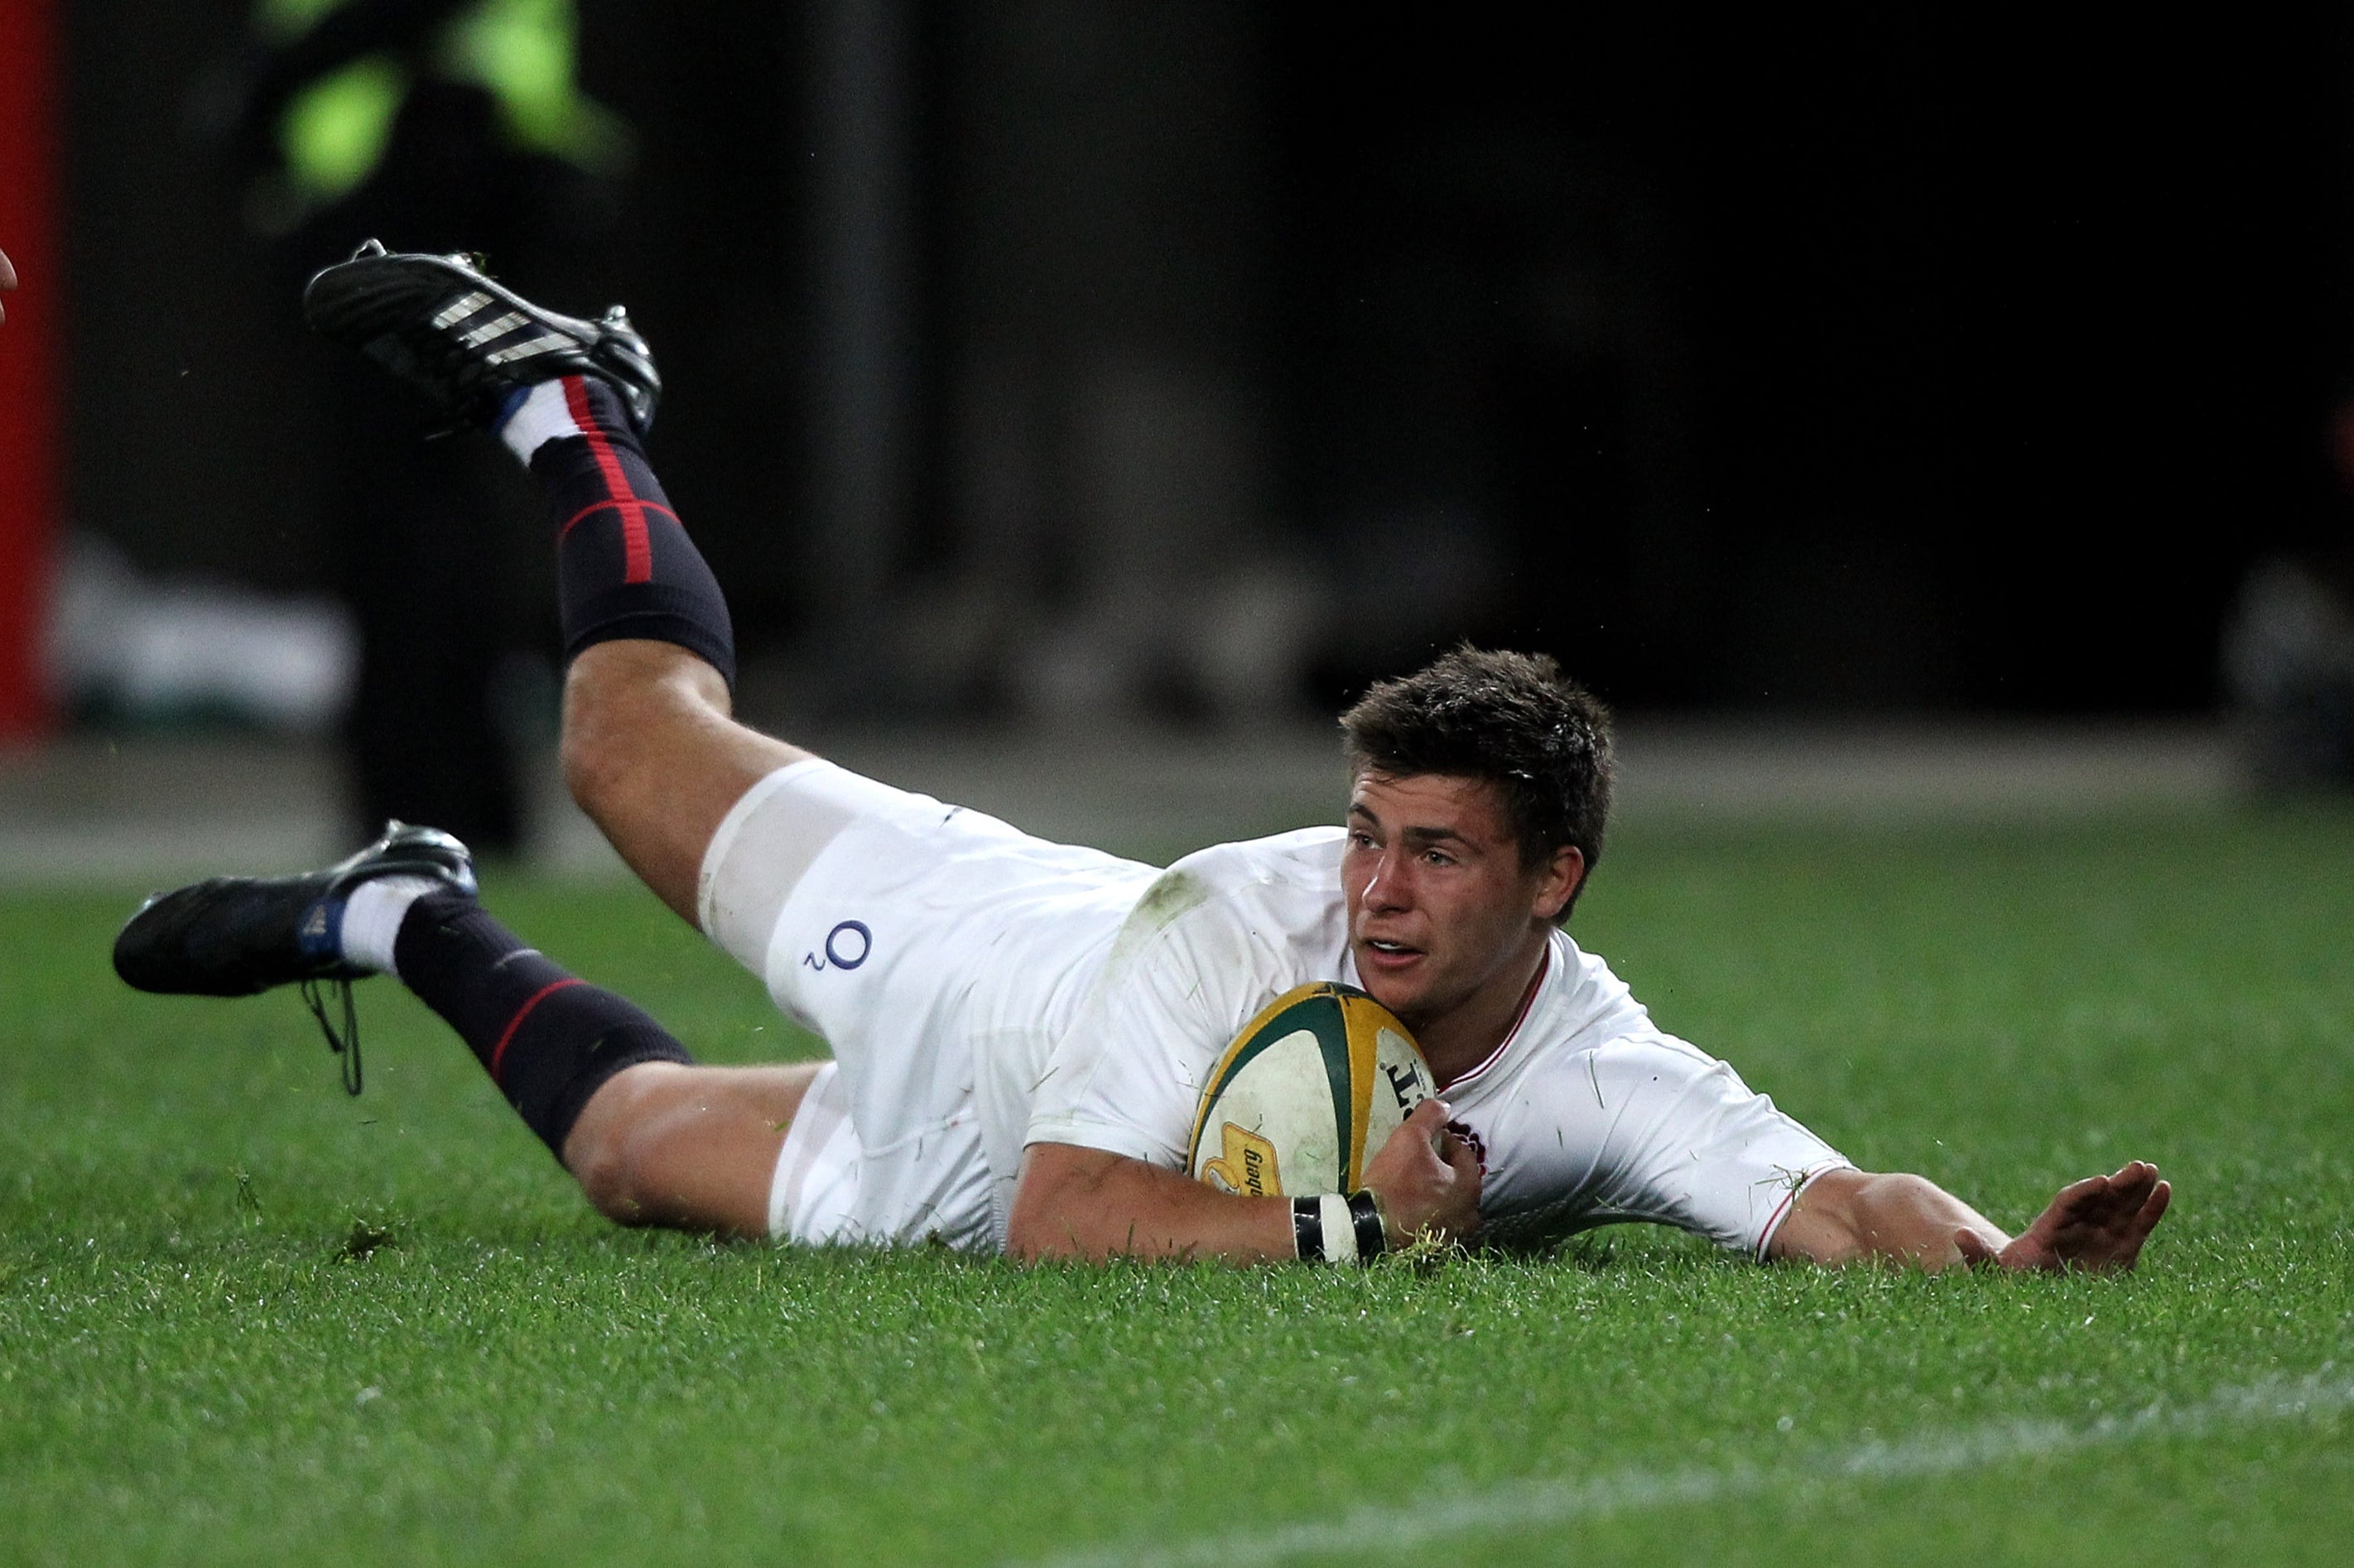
{"points": [[1520, 1504]]}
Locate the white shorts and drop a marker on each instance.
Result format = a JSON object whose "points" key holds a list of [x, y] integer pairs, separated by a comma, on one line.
{"points": [[887, 923]]}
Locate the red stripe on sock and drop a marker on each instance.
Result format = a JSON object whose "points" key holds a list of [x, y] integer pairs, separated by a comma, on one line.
{"points": [[637, 549], [601, 505], [506, 1036]]}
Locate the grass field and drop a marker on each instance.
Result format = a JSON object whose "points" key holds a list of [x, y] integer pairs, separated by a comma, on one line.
{"points": [[243, 1318]]}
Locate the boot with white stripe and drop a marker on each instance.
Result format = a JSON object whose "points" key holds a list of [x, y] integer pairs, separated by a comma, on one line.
{"points": [[440, 324]]}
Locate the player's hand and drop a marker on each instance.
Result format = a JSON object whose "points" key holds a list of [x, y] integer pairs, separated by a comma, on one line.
{"points": [[2097, 1224], [1427, 1177], [7, 282]]}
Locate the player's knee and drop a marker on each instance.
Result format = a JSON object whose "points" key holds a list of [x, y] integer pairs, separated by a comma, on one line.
{"points": [[611, 1149], [616, 1178], [596, 750], [626, 705], [589, 776]]}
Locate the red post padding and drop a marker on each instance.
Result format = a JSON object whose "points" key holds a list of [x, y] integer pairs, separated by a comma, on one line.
{"points": [[31, 398]]}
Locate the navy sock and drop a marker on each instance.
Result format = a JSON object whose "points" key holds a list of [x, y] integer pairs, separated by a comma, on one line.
{"points": [[625, 566], [549, 1039]]}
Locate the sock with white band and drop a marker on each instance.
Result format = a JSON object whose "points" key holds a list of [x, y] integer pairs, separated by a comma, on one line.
{"points": [[624, 565], [372, 916], [535, 416]]}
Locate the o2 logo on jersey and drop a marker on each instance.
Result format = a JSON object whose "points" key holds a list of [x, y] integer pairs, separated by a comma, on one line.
{"points": [[846, 947]]}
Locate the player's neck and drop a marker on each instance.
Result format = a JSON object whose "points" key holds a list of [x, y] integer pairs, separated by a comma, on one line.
{"points": [[1465, 1036]]}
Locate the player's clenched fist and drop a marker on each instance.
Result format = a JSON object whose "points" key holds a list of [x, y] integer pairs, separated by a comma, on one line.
{"points": [[7, 282], [1427, 1177]]}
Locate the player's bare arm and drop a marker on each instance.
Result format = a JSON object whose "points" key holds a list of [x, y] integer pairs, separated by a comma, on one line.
{"points": [[2097, 1224], [8, 281], [1091, 1203]]}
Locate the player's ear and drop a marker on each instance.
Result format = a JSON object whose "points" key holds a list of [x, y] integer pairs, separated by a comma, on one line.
{"points": [[1558, 881]]}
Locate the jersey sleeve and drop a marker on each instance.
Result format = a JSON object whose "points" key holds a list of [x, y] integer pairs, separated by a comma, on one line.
{"points": [[1665, 1132], [1128, 1075]]}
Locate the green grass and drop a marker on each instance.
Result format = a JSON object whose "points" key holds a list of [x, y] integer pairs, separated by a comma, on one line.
{"points": [[243, 1318]]}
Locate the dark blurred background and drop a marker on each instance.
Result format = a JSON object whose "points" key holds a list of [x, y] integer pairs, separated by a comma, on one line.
{"points": [[1062, 358]]}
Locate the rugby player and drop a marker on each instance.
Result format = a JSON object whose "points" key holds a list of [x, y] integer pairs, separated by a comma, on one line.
{"points": [[1021, 1029]]}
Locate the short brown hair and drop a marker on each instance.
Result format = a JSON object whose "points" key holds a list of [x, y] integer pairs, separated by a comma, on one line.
{"points": [[1511, 718]]}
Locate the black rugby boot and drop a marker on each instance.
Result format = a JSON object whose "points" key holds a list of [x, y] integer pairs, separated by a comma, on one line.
{"points": [[440, 324], [236, 936]]}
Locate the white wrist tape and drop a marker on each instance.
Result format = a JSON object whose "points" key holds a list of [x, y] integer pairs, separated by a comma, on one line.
{"points": [[1340, 1228]]}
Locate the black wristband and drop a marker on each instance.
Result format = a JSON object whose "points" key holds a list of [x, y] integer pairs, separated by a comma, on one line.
{"points": [[1307, 1230], [1373, 1235]]}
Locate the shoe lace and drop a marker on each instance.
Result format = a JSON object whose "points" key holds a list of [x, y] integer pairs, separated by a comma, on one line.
{"points": [[345, 1045]]}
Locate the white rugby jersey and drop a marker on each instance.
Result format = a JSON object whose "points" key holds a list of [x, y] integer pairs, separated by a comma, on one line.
{"points": [[1586, 1114]]}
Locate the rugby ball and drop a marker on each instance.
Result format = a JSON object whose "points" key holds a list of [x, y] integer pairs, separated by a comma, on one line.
{"points": [[1307, 1094]]}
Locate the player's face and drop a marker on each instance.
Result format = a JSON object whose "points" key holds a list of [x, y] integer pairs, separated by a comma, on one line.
{"points": [[1441, 911]]}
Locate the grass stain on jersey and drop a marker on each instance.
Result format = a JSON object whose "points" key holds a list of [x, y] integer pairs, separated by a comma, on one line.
{"points": [[1172, 895]]}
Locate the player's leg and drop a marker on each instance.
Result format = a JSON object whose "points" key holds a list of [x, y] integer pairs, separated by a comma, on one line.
{"points": [[694, 1147], [651, 751], [722, 822], [651, 748], [654, 756], [652, 1138]]}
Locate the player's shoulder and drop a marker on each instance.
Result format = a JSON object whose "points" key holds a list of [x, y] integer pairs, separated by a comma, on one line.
{"points": [[1579, 1003], [1587, 984], [1280, 891], [1307, 857]]}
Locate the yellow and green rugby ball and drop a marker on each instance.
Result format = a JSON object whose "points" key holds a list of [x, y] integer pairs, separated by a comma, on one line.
{"points": [[1307, 1095]]}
